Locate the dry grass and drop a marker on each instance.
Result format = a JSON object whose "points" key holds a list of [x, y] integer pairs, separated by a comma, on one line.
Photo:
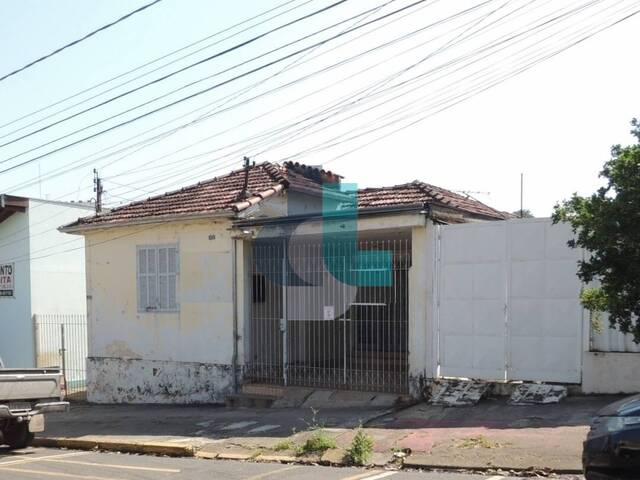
{"points": [[479, 441]]}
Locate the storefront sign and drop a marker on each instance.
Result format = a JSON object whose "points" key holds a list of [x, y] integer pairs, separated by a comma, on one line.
{"points": [[6, 279]]}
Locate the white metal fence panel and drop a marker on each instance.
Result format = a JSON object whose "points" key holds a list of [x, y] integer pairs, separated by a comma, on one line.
{"points": [[508, 305], [606, 339], [545, 316], [472, 282], [61, 341]]}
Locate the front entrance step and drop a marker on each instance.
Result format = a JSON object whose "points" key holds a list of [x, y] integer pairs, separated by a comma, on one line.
{"points": [[277, 396], [249, 400], [263, 389]]}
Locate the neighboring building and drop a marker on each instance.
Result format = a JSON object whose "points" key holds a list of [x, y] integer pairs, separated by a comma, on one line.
{"points": [[186, 298], [41, 271]]}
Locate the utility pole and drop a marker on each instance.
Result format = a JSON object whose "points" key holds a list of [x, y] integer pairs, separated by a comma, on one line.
{"points": [[97, 187], [521, 195]]}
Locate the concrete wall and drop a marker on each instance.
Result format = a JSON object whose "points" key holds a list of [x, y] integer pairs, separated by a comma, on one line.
{"points": [[57, 259], [16, 341], [49, 273], [421, 280], [610, 372], [136, 357]]}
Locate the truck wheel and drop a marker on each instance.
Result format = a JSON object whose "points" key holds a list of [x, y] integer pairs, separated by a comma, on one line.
{"points": [[18, 435]]}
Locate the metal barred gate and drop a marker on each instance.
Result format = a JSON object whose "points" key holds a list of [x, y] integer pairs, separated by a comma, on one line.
{"points": [[319, 319]]}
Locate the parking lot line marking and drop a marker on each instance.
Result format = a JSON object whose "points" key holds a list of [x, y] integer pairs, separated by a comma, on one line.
{"points": [[111, 465], [273, 472], [380, 475], [497, 477], [368, 475], [58, 474], [37, 459]]}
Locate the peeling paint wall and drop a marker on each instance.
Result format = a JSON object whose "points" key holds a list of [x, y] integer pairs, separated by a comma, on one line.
{"points": [[117, 380], [192, 347]]}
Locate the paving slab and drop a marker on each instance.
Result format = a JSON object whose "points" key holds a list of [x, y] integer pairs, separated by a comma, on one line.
{"points": [[335, 456]]}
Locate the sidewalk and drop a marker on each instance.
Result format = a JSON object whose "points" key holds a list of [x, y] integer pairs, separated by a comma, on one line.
{"points": [[491, 435]]}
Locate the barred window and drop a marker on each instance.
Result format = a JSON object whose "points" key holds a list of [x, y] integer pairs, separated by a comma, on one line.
{"points": [[158, 269]]}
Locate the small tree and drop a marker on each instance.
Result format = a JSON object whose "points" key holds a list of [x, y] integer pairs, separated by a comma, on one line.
{"points": [[607, 225]]}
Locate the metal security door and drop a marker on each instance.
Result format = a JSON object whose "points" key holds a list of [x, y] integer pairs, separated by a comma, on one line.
{"points": [[320, 320], [508, 302], [472, 301]]}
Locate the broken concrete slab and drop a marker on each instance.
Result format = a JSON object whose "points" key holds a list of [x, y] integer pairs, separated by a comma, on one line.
{"points": [[458, 393], [335, 456], [380, 459], [537, 394], [277, 457]]}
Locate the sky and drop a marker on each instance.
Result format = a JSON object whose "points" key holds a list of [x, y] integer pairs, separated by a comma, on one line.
{"points": [[428, 93]]}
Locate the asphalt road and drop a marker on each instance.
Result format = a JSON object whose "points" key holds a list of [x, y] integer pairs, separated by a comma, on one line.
{"points": [[44, 463]]}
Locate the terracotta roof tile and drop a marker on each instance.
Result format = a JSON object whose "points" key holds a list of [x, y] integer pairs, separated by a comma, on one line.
{"points": [[418, 192], [225, 194]]}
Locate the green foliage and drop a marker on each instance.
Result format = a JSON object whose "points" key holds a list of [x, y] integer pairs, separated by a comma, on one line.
{"points": [[361, 448], [284, 445], [319, 442], [607, 225]]}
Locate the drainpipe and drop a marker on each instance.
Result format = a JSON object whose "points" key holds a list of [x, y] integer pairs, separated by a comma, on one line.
{"points": [[234, 295]]}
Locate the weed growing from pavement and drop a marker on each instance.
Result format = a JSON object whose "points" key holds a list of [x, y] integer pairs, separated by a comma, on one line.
{"points": [[318, 442], [284, 445], [361, 448], [479, 441]]}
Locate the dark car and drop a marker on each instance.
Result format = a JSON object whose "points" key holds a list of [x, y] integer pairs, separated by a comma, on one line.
{"points": [[612, 447]]}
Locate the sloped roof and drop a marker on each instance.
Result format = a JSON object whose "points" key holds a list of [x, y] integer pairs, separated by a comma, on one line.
{"points": [[419, 192], [226, 194], [218, 195]]}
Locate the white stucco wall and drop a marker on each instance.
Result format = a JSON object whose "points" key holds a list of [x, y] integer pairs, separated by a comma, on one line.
{"points": [[161, 347], [610, 372], [57, 259], [16, 341], [49, 273]]}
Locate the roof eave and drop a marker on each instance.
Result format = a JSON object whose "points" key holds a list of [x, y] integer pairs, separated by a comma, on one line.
{"points": [[76, 228]]}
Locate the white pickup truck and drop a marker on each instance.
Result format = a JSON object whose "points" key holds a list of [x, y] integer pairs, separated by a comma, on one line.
{"points": [[25, 396]]}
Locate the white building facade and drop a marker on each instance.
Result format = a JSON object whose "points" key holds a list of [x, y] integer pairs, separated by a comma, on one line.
{"points": [[41, 271]]}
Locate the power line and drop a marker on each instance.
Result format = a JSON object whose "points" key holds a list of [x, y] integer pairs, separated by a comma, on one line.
{"points": [[276, 130], [104, 82], [316, 148], [173, 174], [500, 80], [246, 122], [201, 92], [209, 115], [75, 42], [158, 80]]}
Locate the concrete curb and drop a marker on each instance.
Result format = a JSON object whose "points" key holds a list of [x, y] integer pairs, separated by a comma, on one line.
{"points": [[149, 448], [173, 450], [417, 464]]}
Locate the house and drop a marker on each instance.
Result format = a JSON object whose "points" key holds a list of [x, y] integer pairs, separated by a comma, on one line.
{"points": [[275, 274], [41, 271]]}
